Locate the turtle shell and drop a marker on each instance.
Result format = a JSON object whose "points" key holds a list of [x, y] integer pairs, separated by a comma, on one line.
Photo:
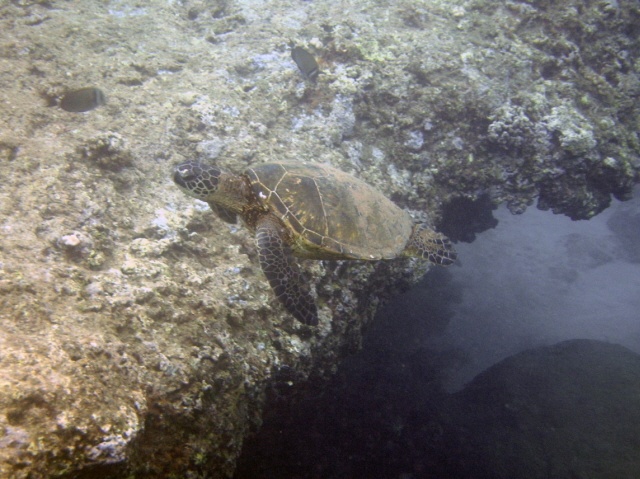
{"points": [[329, 213]]}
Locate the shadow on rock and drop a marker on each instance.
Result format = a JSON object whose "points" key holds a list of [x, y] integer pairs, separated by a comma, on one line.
{"points": [[571, 410]]}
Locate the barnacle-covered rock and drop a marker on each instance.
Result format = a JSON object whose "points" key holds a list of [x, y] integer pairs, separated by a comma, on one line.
{"points": [[108, 151]]}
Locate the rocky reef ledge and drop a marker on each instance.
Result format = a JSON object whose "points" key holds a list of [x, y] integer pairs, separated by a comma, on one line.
{"points": [[137, 333]]}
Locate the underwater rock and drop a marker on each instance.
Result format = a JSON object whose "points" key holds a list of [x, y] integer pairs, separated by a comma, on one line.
{"points": [[141, 344], [567, 410], [107, 150], [501, 118]]}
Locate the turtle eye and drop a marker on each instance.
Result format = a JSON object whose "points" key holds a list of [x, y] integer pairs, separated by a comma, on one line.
{"points": [[186, 174], [186, 178]]}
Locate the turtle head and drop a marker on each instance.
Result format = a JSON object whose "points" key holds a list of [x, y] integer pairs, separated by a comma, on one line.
{"points": [[197, 180]]}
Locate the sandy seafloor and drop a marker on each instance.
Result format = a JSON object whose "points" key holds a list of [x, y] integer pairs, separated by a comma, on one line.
{"points": [[138, 337]]}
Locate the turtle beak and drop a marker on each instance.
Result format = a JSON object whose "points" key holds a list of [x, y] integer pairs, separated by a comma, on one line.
{"points": [[197, 180], [187, 176]]}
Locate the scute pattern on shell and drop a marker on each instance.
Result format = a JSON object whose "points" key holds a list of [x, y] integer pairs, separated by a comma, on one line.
{"points": [[329, 213]]}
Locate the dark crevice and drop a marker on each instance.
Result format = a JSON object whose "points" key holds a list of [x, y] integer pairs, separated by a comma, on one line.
{"points": [[463, 218]]}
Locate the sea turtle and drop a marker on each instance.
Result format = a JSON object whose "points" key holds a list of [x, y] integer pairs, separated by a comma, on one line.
{"points": [[310, 211]]}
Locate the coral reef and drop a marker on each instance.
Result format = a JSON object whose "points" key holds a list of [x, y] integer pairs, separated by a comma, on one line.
{"points": [[138, 334]]}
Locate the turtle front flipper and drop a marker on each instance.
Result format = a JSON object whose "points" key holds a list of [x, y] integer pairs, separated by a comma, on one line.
{"points": [[225, 214], [428, 244], [283, 273]]}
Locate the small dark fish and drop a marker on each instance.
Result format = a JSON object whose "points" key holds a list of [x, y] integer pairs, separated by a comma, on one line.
{"points": [[306, 63], [84, 99]]}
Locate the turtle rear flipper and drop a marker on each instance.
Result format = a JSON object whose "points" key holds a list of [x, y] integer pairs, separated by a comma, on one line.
{"points": [[283, 273], [428, 244]]}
